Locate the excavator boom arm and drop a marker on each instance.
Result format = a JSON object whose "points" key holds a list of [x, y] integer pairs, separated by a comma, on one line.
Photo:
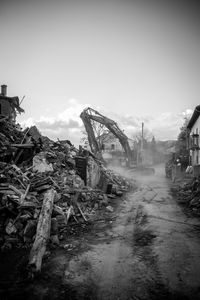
{"points": [[90, 114]]}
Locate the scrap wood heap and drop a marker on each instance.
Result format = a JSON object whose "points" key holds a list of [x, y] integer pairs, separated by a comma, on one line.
{"points": [[17, 145], [189, 194], [9, 134], [119, 183], [41, 191]]}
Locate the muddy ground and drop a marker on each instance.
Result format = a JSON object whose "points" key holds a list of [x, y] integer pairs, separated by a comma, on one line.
{"points": [[146, 249]]}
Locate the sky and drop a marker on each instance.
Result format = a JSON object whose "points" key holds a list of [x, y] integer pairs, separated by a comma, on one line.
{"points": [[134, 61]]}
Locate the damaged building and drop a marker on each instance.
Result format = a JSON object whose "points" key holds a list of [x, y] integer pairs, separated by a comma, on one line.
{"points": [[9, 106], [45, 183]]}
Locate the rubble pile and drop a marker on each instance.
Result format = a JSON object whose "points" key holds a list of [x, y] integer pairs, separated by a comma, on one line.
{"points": [[42, 192], [188, 194], [9, 133], [119, 183], [17, 145]]}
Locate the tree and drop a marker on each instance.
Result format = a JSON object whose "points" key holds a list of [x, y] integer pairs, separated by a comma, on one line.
{"points": [[153, 150], [147, 135], [84, 138], [153, 144], [102, 134], [181, 145]]}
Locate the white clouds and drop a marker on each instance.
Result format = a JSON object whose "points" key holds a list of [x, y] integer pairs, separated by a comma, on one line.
{"points": [[72, 113], [165, 126], [68, 124], [187, 113], [27, 123]]}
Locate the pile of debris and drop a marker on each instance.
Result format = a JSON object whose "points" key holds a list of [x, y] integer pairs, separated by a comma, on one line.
{"points": [[9, 134], [17, 145], [188, 194], [42, 190]]}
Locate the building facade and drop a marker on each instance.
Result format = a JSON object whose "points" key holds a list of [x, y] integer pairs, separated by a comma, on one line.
{"points": [[193, 131]]}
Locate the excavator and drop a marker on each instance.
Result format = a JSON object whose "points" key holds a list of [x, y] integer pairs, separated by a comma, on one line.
{"points": [[89, 115]]}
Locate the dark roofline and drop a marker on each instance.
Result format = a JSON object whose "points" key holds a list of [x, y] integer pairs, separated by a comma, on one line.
{"points": [[8, 98], [14, 101], [194, 117]]}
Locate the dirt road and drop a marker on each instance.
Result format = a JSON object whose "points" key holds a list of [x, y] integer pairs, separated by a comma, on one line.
{"points": [[146, 249]]}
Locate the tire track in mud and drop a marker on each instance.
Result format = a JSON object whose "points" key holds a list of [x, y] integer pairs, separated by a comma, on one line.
{"points": [[118, 260], [146, 265]]}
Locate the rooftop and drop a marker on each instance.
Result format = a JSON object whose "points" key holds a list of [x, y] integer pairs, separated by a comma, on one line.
{"points": [[194, 117]]}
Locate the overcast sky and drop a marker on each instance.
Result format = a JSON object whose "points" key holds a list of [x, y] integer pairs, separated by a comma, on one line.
{"points": [[133, 60]]}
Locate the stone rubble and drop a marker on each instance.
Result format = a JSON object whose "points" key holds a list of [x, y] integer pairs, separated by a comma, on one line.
{"points": [[188, 194]]}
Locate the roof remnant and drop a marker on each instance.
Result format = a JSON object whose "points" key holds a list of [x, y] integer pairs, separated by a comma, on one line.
{"points": [[194, 117], [9, 106]]}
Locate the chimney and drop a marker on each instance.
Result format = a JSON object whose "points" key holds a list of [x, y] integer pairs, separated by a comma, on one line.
{"points": [[4, 90]]}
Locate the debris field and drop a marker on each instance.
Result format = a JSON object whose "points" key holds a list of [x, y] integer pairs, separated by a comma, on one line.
{"points": [[46, 187], [188, 194]]}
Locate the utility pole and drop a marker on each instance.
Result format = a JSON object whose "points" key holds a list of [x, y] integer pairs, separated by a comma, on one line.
{"points": [[142, 143]]}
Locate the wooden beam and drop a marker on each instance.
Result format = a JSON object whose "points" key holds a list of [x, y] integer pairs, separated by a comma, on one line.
{"points": [[43, 232], [24, 146]]}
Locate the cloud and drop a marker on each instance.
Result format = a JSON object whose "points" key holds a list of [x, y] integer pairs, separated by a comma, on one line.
{"points": [[68, 124], [165, 126]]}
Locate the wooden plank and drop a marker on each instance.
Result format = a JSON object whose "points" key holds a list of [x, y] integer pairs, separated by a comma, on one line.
{"points": [[17, 156], [22, 145], [42, 234], [24, 196], [18, 192], [68, 214], [55, 184], [82, 214]]}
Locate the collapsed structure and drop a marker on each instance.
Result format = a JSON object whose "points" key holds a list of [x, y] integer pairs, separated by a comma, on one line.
{"points": [[9, 106], [46, 186]]}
